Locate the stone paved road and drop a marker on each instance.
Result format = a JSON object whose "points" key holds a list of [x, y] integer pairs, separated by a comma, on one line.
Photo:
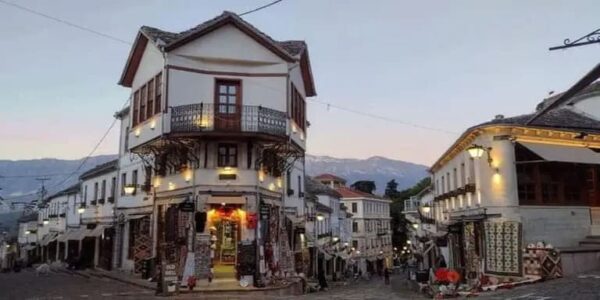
{"points": [[582, 287], [26, 285]]}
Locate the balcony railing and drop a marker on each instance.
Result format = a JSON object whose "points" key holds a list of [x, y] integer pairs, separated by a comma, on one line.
{"points": [[411, 205], [202, 117]]}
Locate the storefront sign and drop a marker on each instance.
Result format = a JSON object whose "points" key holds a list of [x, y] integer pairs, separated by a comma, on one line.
{"points": [[187, 206], [202, 256]]}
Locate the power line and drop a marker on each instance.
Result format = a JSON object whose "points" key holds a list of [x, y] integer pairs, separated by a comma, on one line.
{"points": [[36, 175], [260, 8], [384, 118], [59, 20]]}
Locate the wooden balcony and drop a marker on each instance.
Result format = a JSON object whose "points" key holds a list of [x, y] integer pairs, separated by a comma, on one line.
{"points": [[198, 118]]}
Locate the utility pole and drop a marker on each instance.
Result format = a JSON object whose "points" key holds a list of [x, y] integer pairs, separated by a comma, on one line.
{"points": [[43, 190]]}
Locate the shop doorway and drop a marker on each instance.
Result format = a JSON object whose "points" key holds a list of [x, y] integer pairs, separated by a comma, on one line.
{"points": [[225, 230]]}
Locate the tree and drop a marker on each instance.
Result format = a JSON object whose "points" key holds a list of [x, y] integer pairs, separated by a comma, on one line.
{"points": [[391, 189], [365, 186]]}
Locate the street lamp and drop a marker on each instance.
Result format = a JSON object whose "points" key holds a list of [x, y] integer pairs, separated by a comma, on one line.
{"points": [[81, 209], [45, 221], [129, 189], [320, 217], [27, 232], [426, 208], [476, 151]]}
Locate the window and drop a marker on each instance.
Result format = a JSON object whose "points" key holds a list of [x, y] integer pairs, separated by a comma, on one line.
{"points": [[227, 155], [123, 183], [298, 108], [354, 207], [103, 190], [150, 97], [228, 93], [455, 178], [355, 244], [143, 99], [95, 191], [113, 187], [126, 142], [443, 185], [158, 93], [354, 227], [85, 195], [299, 186], [147, 100], [136, 108], [134, 180], [463, 174]]}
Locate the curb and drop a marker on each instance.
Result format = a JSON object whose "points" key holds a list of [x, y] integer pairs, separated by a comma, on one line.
{"points": [[122, 280]]}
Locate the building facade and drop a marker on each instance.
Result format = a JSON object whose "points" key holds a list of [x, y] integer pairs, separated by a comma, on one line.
{"points": [[218, 120], [534, 181], [371, 225]]}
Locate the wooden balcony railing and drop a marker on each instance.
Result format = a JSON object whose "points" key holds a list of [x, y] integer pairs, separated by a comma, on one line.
{"points": [[202, 117]]}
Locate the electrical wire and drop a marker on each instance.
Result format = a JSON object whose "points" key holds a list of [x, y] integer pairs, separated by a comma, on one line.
{"points": [[259, 8], [59, 20], [38, 175]]}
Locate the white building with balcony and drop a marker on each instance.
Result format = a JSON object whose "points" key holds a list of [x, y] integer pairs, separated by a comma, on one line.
{"points": [[371, 227], [218, 118]]}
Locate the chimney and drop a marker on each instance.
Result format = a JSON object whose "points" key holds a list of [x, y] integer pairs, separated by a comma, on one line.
{"points": [[499, 117]]}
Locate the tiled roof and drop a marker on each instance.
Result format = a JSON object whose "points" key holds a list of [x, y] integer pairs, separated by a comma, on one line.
{"points": [[328, 176], [68, 191], [28, 218], [314, 188], [292, 48], [559, 118], [593, 88], [100, 169], [323, 208], [347, 192]]}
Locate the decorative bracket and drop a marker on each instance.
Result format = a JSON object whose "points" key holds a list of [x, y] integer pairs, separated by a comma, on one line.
{"points": [[590, 38]]}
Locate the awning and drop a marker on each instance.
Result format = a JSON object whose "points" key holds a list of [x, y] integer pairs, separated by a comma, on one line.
{"points": [[48, 238], [295, 220], [28, 247], [559, 153], [135, 217], [96, 232]]}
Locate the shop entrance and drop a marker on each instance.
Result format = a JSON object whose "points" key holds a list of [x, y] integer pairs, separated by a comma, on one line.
{"points": [[225, 230]]}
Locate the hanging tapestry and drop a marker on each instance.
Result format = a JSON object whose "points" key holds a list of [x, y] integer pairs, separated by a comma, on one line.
{"points": [[503, 248], [142, 242], [471, 257], [287, 255]]}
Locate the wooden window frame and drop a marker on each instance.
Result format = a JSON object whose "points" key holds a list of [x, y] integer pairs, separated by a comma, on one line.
{"points": [[225, 159], [158, 93], [150, 90], [143, 102]]}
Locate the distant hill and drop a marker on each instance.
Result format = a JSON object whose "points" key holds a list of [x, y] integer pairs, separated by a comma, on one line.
{"points": [[376, 168], [18, 177]]}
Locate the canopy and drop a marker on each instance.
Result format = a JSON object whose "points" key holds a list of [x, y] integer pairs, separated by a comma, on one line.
{"points": [[96, 232], [51, 236], [559, 153]]}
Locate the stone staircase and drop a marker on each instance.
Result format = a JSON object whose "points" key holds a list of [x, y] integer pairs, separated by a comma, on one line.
{"points": [[590, 241]]}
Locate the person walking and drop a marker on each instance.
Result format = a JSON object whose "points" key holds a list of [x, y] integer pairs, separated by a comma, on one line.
{"points": [[386, 275]]}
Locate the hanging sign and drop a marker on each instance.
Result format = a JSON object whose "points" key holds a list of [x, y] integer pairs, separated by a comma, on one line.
{"points": [[187, 206]]}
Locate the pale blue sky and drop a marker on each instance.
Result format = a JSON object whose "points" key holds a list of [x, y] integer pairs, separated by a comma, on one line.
{"points": [[442, 64]]}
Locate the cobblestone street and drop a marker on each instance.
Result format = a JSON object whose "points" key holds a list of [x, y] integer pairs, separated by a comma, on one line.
{"points": [[26, 285], [582, 287]]}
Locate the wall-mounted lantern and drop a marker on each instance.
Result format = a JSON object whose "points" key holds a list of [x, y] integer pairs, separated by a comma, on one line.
{"points": [[476, 151]]}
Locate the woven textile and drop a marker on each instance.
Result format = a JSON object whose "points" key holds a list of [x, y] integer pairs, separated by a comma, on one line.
{"points": [[503, 248]]}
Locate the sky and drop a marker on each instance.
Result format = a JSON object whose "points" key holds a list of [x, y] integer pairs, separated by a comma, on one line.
{"points": [[430, 69]]}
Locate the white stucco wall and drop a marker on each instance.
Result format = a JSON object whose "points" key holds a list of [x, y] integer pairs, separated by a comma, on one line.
{"points": [[99, 213], [560, 226]]}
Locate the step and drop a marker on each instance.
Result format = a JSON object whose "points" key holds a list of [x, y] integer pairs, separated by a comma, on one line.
{"points": [[590, 242], [592, 237]]}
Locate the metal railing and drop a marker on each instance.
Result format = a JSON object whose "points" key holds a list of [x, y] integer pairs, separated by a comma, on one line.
{"points": [[411, 205], [203, 117]]}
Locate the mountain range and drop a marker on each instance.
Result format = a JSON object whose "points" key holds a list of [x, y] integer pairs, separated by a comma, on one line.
{"points": [[19, 178]]}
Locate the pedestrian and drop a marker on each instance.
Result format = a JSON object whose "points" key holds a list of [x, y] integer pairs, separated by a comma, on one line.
{"points": [[322, 281], [386, 275]]}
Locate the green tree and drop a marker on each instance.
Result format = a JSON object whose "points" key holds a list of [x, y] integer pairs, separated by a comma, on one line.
{"points": [[365, 186]]}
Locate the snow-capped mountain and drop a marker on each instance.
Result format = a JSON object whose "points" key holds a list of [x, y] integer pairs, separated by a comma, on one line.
{"points": [[376, 168]]}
